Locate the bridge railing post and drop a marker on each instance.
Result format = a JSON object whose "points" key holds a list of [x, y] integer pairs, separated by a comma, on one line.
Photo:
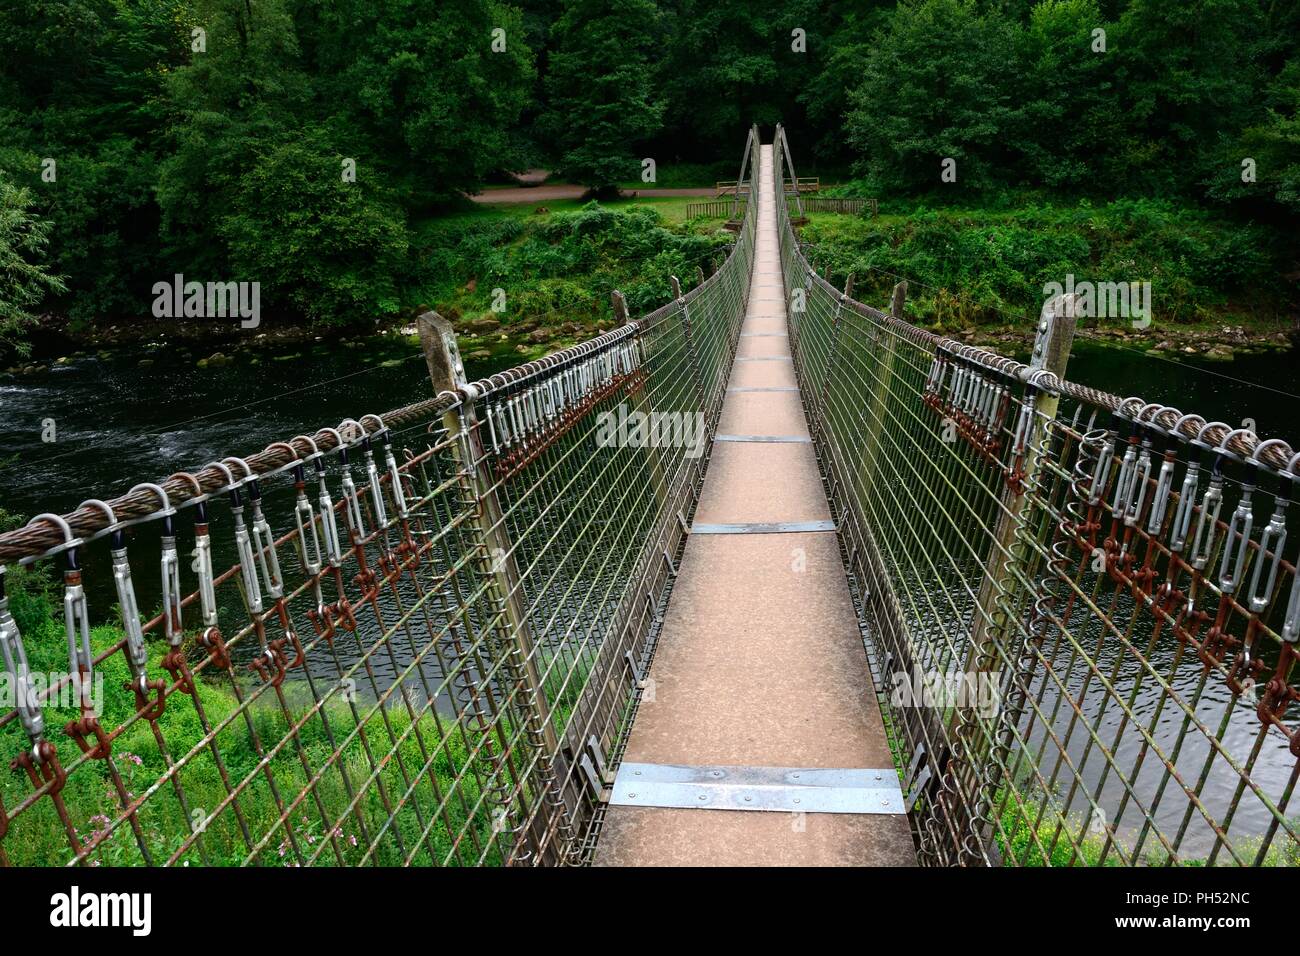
{"points": [[744, 164], [1010, 560], [524, 695], [880, 393]]}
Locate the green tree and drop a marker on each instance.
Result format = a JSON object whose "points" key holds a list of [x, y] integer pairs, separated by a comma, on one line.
{"points": [[602, 104], [1272, 143], [1182, 85], [24, 279], [426, 92], [81, 85], [1070, 129], [939, 83], [307, 134], [838, 60], [727, 64], [333, 251], [237, 99]]}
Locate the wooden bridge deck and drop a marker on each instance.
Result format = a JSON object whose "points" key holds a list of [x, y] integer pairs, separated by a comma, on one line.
{"points": [[760, 662]]}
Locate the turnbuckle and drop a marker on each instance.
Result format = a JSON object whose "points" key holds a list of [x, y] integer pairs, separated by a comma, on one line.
{"points": [[309, 550], [15, 660], [1164, 482], [1239, 528], [372, 478], [169, 568], [1204, 539], [210, 637], [137, 655], [81, 660], [328, 520], [1291, 621], [351, 501], [1272, 539]]}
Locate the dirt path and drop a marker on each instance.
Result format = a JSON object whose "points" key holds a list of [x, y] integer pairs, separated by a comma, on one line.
{"points": [[530, 194]]}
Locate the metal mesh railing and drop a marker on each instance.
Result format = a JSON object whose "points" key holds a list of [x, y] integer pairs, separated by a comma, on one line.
{"points": [[411, 639], [1081, 611]]}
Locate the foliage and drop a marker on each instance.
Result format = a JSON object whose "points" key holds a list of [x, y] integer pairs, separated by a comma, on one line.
{"points": [[81, 84], [970, 266], [601, 103], [563, 267], [1133, 98], [293, 199], [23, 277], [924, 97], [220, 153]]}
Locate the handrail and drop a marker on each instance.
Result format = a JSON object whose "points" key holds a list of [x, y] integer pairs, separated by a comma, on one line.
{"points": [[417, 648], [1086, 637]]}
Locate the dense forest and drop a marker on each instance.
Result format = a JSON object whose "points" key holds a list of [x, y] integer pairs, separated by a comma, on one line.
{"points": [[302, 143]]}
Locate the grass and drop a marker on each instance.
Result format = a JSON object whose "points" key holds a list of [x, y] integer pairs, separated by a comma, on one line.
{"points": [[672, 209], [687, 176], [258, 745], [247, 748], [1032, 838]]}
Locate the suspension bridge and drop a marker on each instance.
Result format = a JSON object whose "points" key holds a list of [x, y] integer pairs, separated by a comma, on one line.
{"points": [[897, 601]]}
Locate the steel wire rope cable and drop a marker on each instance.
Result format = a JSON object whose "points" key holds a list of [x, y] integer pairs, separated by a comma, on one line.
{"points": [[1246, 446], [576, 539], [280, 458]]}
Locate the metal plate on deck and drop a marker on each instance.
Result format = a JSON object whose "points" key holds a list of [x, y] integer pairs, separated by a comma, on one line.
{"points": [[798, 439], [764, 358], [763, 388], [763, 527], [782, 789]]}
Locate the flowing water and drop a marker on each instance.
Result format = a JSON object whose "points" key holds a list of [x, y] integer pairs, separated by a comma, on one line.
{"points": [[117, 422]]}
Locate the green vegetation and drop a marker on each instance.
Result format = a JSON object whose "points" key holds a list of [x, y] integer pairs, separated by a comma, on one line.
{"points": [[557, 271], [24, 280], [252, 749], [308, 145], [1074, 95], [1032, 834], [40, 839], [600, 102], [981, 266]]}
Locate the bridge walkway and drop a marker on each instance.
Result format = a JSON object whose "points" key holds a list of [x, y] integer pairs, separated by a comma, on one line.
{"points": [[760, 662]]}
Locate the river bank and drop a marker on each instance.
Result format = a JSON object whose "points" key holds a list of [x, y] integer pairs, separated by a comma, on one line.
{"points": [[213, 344], [490, 341], [1209, 343]]}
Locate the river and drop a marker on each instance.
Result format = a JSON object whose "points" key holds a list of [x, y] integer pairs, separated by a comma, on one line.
{"points": [[117, 422]]}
